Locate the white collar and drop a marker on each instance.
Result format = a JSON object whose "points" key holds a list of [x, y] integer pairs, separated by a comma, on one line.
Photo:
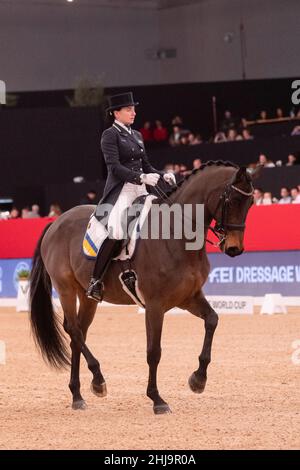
{"points": [[123, 126]]}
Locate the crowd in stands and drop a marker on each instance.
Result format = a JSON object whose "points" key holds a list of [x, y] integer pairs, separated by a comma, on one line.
{"points": [[230, 129], [55, 210], [32, 212], [180, 169], [292, 159], [174, 135], [287, 196], [178, 134]]}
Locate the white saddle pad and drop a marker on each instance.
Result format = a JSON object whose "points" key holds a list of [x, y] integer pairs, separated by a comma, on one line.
{"points": [[96, 233]]}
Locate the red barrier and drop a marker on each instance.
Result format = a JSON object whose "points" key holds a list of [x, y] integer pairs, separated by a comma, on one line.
{"points": [[19, 237], [269, 228]]}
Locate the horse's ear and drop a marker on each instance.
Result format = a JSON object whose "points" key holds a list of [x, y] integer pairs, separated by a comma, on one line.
{"points": [[257, 172], [240, 174]]}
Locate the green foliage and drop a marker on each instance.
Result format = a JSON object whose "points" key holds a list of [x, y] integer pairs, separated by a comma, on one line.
{"points": [[24, 274], [87, 93]]}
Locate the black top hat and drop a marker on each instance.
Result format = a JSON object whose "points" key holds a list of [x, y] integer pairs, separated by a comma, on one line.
{"points": [[120, 101]]}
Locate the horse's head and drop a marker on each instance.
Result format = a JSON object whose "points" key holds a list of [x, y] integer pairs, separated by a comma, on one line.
{"points": [[230, 215]]}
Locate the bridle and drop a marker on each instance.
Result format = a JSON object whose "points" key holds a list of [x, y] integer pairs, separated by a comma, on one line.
{"points": [[222, 226]]}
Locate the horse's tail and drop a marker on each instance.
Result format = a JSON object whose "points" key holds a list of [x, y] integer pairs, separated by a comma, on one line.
{"points": [[44, 323]]}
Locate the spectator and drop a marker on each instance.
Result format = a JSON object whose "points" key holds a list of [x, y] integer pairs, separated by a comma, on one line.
{"points": [[169, 168], [197, 164], [89, 198], [14, 213], [295, 195], [263, 115], [35, 212], [279, 113], [246, 134], [243, 124], [262, 160], [285, 196], [177, 172], [176, 168], [191, 138], [269, 199], [228, 122], [231, 135], [55, 210], [183, 170], [147, 132], [220, 137], [177, 121], [160, 133], [198, 139], [258, 196], [184, 140], [296, 130], [175, 137], [292, 160], [25, 213], [251, 167]]}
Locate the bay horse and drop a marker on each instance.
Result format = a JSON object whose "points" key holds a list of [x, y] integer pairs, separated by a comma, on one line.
{"points": [[173, 279]]}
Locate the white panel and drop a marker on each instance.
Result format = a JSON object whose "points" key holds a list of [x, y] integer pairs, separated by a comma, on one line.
{"points": [[2, 92]]}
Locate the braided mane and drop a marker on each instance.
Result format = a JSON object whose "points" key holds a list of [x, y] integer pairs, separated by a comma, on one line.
{"points": [[197, 170]]}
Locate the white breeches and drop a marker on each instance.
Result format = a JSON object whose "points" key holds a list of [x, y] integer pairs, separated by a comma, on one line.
{"points": [[126, 197]]}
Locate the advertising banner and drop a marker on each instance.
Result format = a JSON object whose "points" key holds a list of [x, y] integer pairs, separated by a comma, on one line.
{"points": [[251, 274]]}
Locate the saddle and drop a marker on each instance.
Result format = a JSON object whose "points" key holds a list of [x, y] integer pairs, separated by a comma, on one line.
{"points": [[97, 232]]}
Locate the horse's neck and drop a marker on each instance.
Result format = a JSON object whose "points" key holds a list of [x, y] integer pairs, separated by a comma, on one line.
{"points": [[193, 191], [202, 188]]}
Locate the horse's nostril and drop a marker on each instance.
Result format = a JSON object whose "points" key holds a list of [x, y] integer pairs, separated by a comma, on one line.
{"points": [[233, 251]]}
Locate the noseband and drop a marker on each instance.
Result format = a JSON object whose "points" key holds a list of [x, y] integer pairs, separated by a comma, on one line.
{"points": [[222, 226]]}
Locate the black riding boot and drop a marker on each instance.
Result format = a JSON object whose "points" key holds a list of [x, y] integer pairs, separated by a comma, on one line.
{"points": [[108, 250]]}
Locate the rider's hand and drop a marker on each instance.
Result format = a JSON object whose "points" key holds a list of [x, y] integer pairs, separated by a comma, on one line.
{"points": [[150, 178], [170, 178]]}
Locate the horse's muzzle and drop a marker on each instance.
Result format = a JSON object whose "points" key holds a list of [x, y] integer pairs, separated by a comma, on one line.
{"points": [[233, 251]]}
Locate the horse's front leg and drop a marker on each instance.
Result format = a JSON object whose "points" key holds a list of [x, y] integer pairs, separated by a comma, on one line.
{"points": [[199, 306], [154, 323]]}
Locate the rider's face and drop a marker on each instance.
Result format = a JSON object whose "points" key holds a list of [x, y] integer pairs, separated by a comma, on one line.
{"points": [[126, 115]]}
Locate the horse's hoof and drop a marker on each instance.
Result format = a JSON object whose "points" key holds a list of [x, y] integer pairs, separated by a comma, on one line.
{"points": [[161, 409], [99, 390], [79, 405], [197, 385]]}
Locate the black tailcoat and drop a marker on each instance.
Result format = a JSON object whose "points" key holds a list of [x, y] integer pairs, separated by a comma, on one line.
{"points": [[126, 160]]}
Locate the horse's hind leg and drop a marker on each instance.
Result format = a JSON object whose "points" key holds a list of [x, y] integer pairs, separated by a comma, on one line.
{"points": [[76, 326], [200, 307], [154, 323], [67, 297], [86, 315]]}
